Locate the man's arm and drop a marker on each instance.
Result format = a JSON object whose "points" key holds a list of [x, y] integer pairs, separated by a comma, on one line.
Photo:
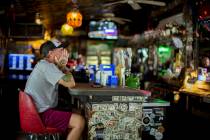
{"points": [[67, 80]]}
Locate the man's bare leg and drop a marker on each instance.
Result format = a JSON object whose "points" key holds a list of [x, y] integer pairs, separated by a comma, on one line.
{"points": [[76, 124]]}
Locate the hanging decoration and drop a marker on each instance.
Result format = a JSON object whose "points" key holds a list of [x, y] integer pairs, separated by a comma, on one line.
{"points": [[67, 29], [74, 18], [38, 19]]}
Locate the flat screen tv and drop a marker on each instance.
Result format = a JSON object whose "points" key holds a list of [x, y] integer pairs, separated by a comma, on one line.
{"points": [[103, 30], [21, 61]]}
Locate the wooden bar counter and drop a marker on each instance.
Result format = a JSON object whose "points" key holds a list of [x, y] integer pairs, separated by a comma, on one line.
{"points": [[86, 89], [115, 112], [199, 90]]}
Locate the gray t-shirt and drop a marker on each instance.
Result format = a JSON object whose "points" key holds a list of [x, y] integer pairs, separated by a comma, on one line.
{"points": [[42, 85]]}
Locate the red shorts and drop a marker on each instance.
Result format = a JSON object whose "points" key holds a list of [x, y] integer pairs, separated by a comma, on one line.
{"points": [[57, 119]]}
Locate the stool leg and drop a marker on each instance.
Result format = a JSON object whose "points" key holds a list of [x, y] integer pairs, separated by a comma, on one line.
{"points": [[58, 136], [45, 137], [55, 136], [42, 136], [31, 137], [51, 136]]}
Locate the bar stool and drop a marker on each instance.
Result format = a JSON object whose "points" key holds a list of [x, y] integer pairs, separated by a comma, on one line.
{"points": [[30, 121]]}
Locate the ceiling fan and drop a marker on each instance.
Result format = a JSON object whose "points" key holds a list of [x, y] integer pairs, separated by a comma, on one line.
{"points": [[135, 3], [111, 16]]}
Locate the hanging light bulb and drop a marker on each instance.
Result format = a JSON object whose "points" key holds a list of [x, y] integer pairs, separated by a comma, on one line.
{"points": [[176, 96], [38, 19], [66, 29], [74, 17]]}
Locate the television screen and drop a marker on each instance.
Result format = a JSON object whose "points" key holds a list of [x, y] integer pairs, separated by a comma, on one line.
{"points": [[103, 30], [20, 61]]}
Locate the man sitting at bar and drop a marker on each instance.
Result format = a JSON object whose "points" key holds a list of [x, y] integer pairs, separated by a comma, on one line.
{"points": [[43, 83], [206, 63]]}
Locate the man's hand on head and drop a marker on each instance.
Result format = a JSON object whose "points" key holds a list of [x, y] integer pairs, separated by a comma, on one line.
{"points": [[62, 58]]}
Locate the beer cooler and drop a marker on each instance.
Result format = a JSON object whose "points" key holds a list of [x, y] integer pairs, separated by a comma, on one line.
{"points": [[154, 119]]}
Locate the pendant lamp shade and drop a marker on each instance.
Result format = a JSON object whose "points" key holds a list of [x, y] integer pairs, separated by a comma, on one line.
{"points": [[74, 18]]}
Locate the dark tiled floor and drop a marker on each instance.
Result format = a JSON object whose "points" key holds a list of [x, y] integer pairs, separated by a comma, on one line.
{"points": [[188, 126]]}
